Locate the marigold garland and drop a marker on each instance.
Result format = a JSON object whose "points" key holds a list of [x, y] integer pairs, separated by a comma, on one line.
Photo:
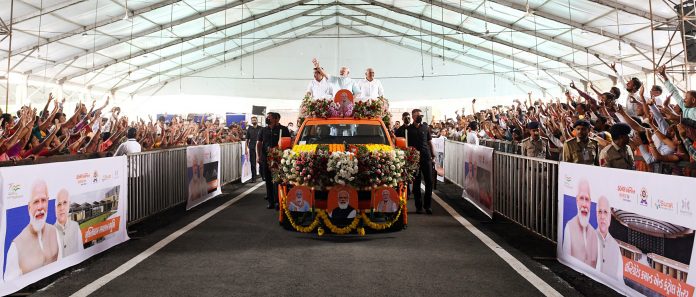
{"points": [[288, 215], [335, 229]]}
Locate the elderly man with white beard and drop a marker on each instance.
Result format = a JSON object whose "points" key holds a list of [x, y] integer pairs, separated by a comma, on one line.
{"points": [[386, 205], [344, 210], [610, 262], [68, 230], [38, 244], [579, 237], [299, 205]]}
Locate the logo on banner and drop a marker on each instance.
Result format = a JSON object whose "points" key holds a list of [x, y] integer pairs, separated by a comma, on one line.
{"points": [[13, 192], [82, 178], [664, 205], [95, 177], [644, 197], [626, 193], [567, 181], [685, 208]]}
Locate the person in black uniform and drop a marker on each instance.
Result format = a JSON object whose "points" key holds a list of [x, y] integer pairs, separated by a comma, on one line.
{"points": [[401, 131], [419, 138], [268, 138], [252, 136]]}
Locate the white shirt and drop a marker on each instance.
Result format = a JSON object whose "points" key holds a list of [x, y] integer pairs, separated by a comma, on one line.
{"points": [[320, 89], [472, 138], [341, 83], [369, 89], [131, 146]]}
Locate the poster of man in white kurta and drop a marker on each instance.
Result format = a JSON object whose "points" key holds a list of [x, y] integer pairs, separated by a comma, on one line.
{"points": [[203, 173]]}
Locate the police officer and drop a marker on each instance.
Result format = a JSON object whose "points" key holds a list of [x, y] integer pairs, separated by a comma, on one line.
{"points": [[268, 138], [401, 131], [535, 145], [618, 154], [419, 138], [581, 149], [252, 135]]}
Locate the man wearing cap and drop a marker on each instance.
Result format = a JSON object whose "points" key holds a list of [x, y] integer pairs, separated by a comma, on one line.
{"points": [[618, 154], [581, 149], [535, 145]]}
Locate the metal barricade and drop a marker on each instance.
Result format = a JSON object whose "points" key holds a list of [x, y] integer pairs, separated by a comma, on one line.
{"points": [[454, 160], [157, 180], [230, 157], [526, 191]]}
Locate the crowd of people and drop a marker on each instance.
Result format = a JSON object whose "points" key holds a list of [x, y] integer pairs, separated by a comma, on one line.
{"points": [[635, 128], [59, 130]]}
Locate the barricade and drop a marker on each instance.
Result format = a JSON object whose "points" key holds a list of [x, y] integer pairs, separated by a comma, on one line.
{"points": [[525, 189], [157, 179]]}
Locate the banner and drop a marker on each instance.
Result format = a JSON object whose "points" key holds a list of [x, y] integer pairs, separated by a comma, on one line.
{"points": [[57, 215], [632, 231], [203, 173], [246, 164], [439, 150], [478, 177]]}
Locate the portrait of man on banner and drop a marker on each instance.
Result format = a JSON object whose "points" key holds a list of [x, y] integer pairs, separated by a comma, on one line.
{"points": [[299, 199], [343, 202]]}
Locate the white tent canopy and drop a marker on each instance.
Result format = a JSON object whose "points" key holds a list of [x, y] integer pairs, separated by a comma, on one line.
{"points": [[420, 49]]}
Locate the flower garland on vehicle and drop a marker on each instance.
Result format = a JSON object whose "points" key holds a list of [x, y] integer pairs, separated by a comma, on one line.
{"points": [[321, 166], [314, 108], [344, 165]]}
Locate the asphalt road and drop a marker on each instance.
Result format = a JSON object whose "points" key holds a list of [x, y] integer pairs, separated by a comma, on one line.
{"points": [[242, 251]]}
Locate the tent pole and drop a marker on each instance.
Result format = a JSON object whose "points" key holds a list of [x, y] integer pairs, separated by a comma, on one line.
{"points": [[9, 58], [652, 38]]}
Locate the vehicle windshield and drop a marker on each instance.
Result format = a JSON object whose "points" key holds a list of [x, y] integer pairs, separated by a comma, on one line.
{"points": [[343, 133]]}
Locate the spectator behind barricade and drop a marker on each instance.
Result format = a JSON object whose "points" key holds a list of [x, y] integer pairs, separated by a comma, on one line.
{"points": [[687, 104], [618, 154], [472, 133], [131, 145]]}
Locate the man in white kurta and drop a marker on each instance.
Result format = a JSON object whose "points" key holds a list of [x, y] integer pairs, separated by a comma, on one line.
{"points": [[579, 237], [340, 82], [319, 87], [610, 261], [369, 87], [68, 230]]}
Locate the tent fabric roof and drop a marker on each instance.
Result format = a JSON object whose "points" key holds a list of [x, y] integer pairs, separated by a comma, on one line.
{"points": [[131, 46]]}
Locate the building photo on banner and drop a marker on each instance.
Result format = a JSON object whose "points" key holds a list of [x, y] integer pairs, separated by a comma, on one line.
{"points": [[59, 214], [478, 177], [439, 148], [203, 173], [633, 231]]}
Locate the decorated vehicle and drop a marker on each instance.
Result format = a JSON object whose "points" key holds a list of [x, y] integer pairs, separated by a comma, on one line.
{"points": [[343, 172]]}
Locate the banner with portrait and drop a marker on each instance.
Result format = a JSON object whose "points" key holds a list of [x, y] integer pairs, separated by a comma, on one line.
{"points": [[439, 150], [246, 163], [202, 173], [57, 215], [632, 231], [478, 177]]}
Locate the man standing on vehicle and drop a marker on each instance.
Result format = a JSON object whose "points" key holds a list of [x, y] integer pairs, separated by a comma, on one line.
{"points": [[268, 138], [419, 138]]}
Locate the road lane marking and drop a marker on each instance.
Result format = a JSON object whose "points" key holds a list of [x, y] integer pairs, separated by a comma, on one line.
{"points": [[522, 270], [102, 281]]}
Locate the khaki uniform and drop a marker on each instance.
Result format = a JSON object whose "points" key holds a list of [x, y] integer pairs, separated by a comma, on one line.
{"points": [[575, 151], [613, 156], [535, 148]]}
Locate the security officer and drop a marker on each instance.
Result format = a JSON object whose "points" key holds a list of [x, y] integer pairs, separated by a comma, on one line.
{"points": [[268, 138], [618, 154], [581, 149], [535, 145], [419, 138], [401, 131], [252, 135]]}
